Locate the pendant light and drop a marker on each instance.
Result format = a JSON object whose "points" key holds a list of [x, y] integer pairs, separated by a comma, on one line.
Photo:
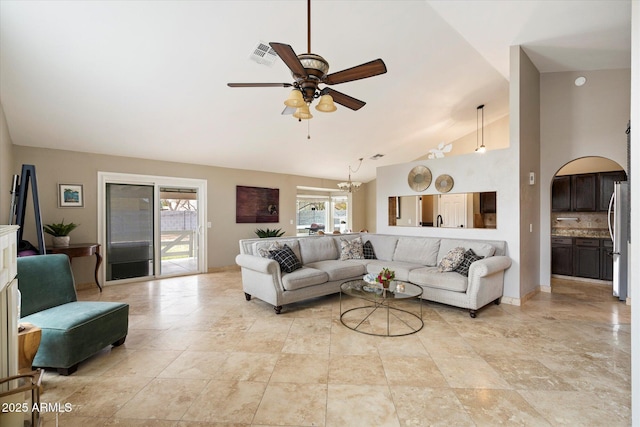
{"points": [[480, 128]]}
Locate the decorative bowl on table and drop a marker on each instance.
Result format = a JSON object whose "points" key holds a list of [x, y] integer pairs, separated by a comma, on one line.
{"points": [[371, 285], [370, 279]]}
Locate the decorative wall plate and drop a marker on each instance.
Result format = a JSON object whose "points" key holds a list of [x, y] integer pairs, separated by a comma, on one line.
{"points": [[444, 183], [419, 178]]}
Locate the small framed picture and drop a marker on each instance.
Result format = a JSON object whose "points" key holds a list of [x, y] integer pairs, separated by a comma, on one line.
{"points": [[70, 196]]}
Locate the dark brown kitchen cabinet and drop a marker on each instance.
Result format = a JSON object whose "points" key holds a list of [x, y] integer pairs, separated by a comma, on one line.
{"points": [[561, 194], [582, 257], [587, 192], [488, 202], [583, 192], [586, 258], [605, 187], [606, 259], [562, 256]]}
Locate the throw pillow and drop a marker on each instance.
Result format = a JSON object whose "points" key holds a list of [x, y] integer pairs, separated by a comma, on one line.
{"points": [[287, 259], [368, 251], [351, 249], [266, 252], [469, 258], [451, 260]]}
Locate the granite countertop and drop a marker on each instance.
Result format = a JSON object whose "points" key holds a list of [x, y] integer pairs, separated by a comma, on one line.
{"points": [[596, 233]]}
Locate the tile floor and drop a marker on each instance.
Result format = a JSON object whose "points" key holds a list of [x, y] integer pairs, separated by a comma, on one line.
{"points": [[198, 354]]}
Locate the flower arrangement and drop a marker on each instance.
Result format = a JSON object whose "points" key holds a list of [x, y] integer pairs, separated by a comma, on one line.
{"points": [[385, 277]]}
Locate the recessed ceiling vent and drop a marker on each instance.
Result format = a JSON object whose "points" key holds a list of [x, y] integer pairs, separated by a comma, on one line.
{"points": [[264, 54]]}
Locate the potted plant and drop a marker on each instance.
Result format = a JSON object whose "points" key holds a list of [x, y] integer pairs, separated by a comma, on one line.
{"points": [[60, 232], [269, 233]]}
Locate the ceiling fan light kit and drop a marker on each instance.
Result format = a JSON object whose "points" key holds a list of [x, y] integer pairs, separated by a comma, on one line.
{"points": [[295, 99], [326, 104], [303, 113], [310, 70]]}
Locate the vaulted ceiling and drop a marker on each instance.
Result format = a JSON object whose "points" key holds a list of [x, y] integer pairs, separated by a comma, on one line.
{"points": [[148, 78]]}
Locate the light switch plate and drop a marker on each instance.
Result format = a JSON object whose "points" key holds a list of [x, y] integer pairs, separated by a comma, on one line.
{"points": [[532, 178]]}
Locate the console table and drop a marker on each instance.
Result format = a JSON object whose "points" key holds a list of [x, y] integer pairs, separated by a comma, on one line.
{"points": [[80, 250]]}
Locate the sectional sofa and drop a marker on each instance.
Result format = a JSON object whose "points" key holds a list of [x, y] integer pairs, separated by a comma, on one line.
{"points": [[320, 264]]}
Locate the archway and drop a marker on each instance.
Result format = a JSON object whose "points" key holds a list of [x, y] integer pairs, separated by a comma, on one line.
{"points": [[581, 246]]}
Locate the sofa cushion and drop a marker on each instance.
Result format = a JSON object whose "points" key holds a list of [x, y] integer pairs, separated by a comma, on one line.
{"points": [[401, 269], [339, 270], [261, 246], [266, 252], [431, 277], [286, 258], [384, 246], [480, 248], [318, 248], [451, 260], [74, 331], [417, 250], [351, 249], [367, 250], [303, 278], [469, 258]]}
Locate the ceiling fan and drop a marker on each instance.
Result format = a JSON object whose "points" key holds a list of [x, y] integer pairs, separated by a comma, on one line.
{"points": [[309, 71]]}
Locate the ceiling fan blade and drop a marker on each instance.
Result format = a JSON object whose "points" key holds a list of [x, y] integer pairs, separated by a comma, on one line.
{"points": [[288, 110], [259, 84], [342, 99], [289, 57], [358, 72]]}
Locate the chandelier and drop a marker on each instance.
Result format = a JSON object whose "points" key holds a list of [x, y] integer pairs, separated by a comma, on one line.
{"points": [[351, 186]]}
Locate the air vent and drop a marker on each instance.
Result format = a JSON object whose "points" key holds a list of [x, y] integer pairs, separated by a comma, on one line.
{"points": [[264, 54]]}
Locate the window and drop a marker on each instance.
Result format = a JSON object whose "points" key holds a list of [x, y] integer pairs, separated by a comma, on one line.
{"points": [[312, 214], [326, 211]]}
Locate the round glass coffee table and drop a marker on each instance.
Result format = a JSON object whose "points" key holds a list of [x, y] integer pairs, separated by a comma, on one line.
{"points": [[394, 312]]}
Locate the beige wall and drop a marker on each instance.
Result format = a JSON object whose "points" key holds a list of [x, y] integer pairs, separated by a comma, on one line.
{"points": [[370, 206], [527, 134], [496, 136], [577, 122], [57, 166], [589, 165], [6, 168]]}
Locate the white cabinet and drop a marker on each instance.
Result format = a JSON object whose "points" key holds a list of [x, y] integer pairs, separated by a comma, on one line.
{"points": [[8, 301]]}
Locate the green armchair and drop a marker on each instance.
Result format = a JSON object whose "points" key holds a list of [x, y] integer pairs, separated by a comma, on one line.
{"points": [[72, 330]]}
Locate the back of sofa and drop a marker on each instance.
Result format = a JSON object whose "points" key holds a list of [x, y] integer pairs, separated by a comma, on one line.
{"points": [[416, 250], [427, 250]]}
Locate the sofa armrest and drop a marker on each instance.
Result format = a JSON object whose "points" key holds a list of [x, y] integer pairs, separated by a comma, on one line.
{"points": [[261, 277], [486, 280], [259, 264], [488, 266]]}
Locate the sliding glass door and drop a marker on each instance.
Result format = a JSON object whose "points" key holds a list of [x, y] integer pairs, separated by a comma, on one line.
{"points": [[151, 226], [129, 231], [179, 230]]}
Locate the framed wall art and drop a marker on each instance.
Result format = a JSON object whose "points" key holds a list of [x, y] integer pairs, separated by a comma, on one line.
{"points": [[257, 204], [70, 196]]}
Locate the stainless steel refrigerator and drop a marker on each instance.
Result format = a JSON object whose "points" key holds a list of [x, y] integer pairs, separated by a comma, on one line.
{"points": [[618, 220]]}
